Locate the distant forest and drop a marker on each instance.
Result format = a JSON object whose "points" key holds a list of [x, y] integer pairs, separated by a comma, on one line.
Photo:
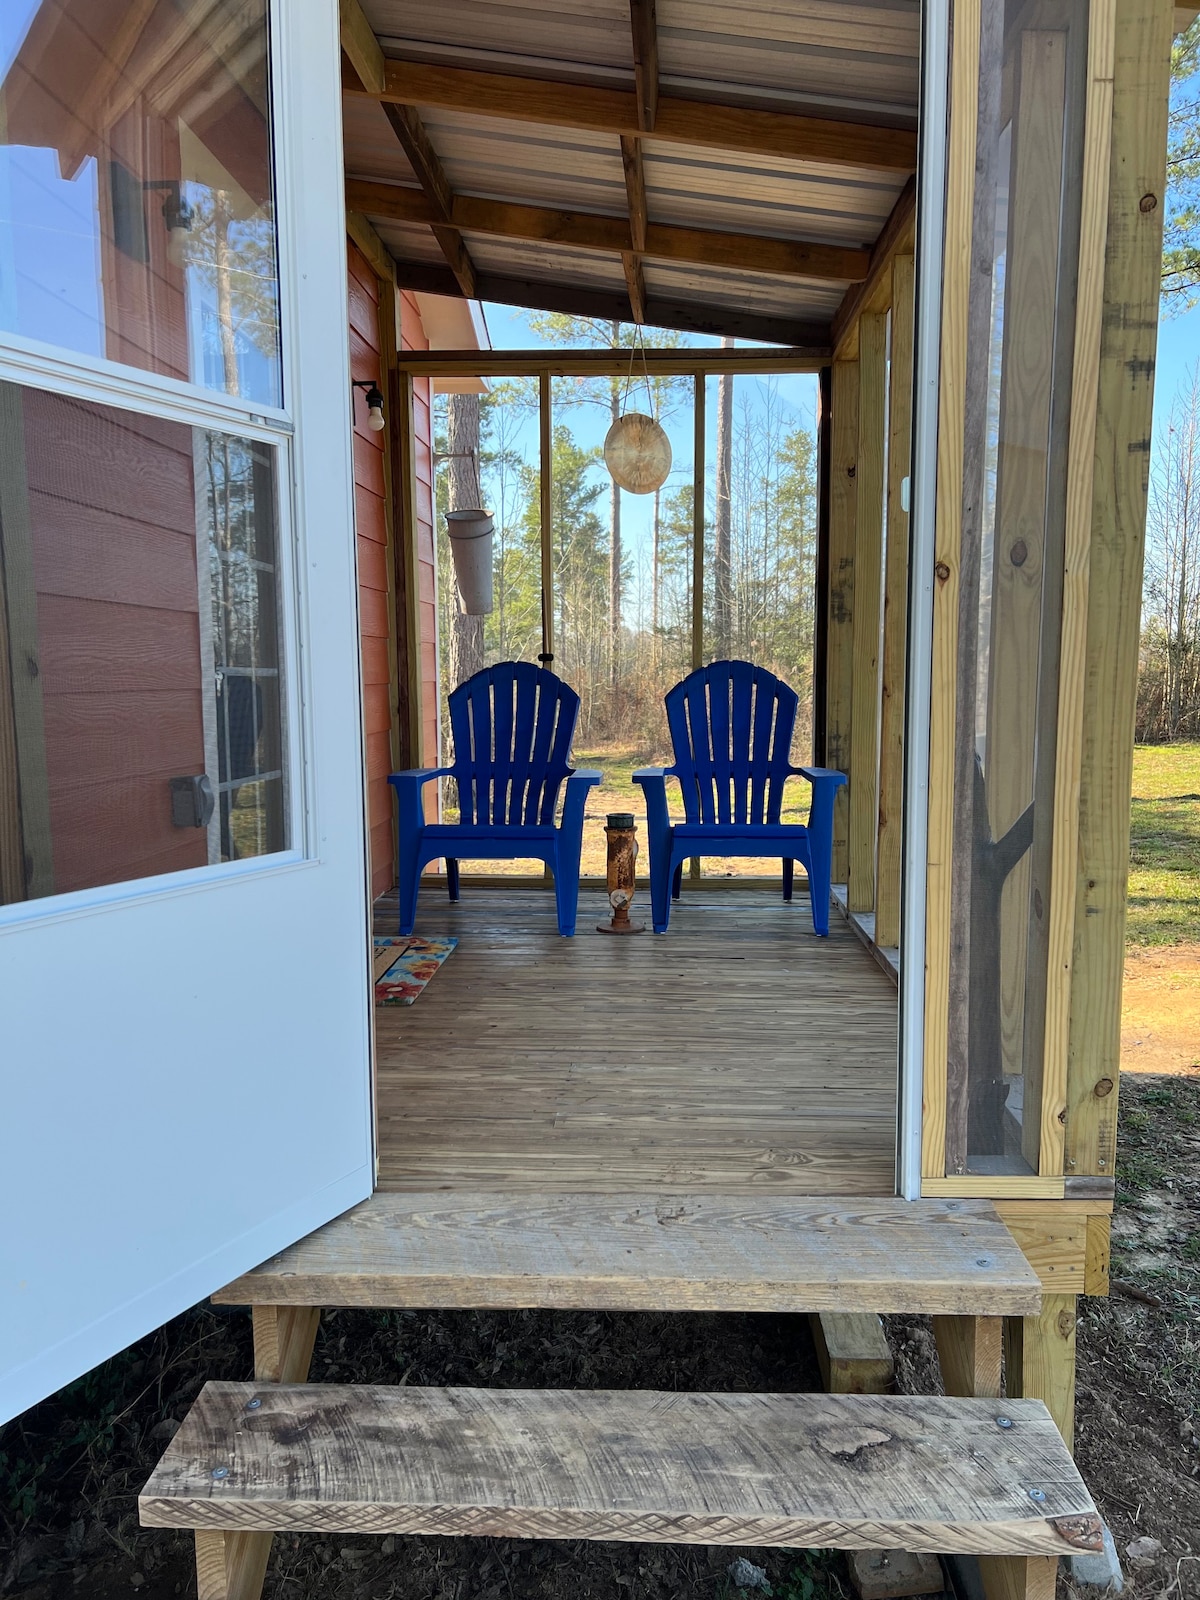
{"points": [[622, 617]]}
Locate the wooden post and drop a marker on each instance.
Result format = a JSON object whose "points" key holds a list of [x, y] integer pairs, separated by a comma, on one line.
{"points": [[233, 1566], [1141, 82], [969, 1350], [956, 277], [389, 347], [546, 514], [821, 576], [852, 1352], [840, 636], [868, 571], [895, 608], [1039, 1360], [698, 487]]}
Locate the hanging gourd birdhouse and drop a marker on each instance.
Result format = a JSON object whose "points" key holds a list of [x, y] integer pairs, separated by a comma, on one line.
{"points": [[471, 549], [637, 453]]}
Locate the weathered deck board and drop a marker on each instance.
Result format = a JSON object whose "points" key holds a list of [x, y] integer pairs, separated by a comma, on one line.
{"points": [[654, 1252], [841, 1471], [737, 1054]]}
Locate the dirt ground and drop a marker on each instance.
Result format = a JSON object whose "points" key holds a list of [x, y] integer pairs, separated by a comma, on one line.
{"points": [[1160, 1017]]}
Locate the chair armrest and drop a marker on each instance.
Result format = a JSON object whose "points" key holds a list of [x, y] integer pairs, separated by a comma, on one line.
{"points": [[653, 782], [825, 784], [408, 786], [819, 774], [418, 775], [575, 798]]}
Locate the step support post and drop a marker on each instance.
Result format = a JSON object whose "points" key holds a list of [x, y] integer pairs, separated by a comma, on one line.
{"points": [[1039, 1360], [969, 1350], [233, 1566]]}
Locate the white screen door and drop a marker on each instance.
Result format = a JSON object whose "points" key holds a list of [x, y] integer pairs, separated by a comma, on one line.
{"points": [[185, 1044]]}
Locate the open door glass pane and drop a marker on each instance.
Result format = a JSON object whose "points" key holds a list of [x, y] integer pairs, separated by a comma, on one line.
{"points": [[136, 212], [141, 720]]}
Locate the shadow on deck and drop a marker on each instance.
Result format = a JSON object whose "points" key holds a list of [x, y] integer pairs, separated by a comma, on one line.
{"points": [[736, 1055]]}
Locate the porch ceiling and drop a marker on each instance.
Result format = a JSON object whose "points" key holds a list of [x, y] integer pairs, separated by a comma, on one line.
{"points": [[717, 167]]}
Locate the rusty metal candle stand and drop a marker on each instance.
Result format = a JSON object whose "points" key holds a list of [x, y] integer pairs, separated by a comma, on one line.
{"points": [[621, 833]]}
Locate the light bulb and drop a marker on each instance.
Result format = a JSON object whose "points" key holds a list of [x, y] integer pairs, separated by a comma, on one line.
{"points": [[375, 419]]}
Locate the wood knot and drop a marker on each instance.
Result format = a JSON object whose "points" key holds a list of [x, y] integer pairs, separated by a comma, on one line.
{"points": [[1148, 203], [1037, 904], [1105, 1086], [1084, 1532], [1019, 553], [851, 472], [850, 1441], [941, 572]]}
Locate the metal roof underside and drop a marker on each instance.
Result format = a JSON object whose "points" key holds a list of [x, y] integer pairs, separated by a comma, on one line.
{"points": [[526, 183]]}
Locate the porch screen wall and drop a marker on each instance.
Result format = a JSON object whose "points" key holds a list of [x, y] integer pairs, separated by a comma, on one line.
{"points": [[1020, 334]]}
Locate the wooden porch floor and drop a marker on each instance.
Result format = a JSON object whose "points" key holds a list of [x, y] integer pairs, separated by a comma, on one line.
{"points": [[737, 1054]]}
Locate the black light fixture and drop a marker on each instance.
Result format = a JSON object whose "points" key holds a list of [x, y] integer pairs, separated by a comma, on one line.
{"points": [[374, 398], [178, 217]]}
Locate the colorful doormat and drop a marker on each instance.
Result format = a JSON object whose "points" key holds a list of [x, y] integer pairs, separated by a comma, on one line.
{"points": [[404, 966]]}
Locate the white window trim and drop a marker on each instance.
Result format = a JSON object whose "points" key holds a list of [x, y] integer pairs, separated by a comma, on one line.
{"points": [[935, 87]]}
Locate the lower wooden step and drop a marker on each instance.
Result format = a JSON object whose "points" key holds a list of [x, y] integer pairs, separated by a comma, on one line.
{"points": [[835, 1471]]}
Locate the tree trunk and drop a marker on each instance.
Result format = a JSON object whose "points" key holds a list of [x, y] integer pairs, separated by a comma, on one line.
{"points": [[655, 561], [722, 522], [221, 220], [464, 494], [614, 554]]}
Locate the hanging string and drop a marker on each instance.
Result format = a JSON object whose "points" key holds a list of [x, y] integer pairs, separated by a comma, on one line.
{"points": [[639, 343]]}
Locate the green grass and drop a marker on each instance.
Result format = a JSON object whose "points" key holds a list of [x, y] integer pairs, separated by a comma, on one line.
{"points": [[1164, 868]]}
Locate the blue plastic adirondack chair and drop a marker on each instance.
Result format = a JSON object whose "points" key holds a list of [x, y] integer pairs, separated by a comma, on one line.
{"points": [[512, 726], [731, 730]]}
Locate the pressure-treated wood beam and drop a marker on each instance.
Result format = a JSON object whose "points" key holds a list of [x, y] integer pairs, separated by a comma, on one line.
{"points": [[588, 231], [423, 158], [644, 26], [635, 190], [361, 47], [874, 291], [808, 340], [635, 283], [790, 134], [674, 362]]}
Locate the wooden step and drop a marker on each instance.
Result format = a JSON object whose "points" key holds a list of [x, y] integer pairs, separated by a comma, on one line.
{"points": [[834, 1471], [654, 1253]]}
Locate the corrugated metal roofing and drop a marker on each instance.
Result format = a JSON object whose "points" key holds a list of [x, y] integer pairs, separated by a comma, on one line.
{"points": [[846, 59]]}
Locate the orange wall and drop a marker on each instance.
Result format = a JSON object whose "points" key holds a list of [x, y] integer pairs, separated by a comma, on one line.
{"points": [[412, 337], [112, 516], [371, 530]]}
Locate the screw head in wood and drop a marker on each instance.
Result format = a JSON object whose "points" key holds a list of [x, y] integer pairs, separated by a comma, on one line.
{"points": [[983, 1261], [1004, 1422], [254, 1405], [220, 1472], [1037, 1495]]}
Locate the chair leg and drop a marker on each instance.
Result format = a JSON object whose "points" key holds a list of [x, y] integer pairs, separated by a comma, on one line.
{"points": [[661, 876], [452, 878], [565, 896], [820, 865], [409, 886], [789, 868], [677, 882]]}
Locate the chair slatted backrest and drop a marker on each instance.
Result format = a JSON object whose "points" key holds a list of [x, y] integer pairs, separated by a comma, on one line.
{"points": [[512, 726], [731, 728]]}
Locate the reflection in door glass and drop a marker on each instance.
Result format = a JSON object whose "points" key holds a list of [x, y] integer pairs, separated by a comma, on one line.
{"points": [[136, 212], [140, 697]]}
